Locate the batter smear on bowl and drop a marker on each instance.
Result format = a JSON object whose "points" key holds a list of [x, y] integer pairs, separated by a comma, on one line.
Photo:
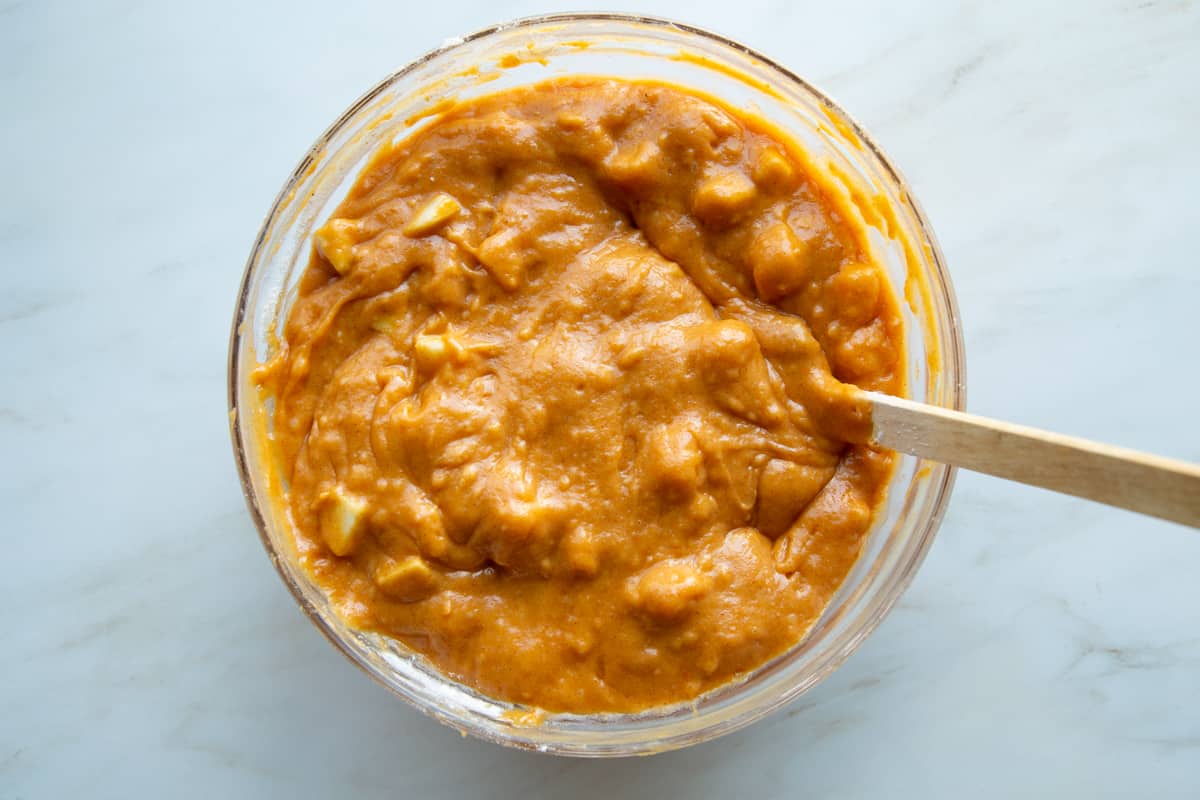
{"points": [[562, 400]]}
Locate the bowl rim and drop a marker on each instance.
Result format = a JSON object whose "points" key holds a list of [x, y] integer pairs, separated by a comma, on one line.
{"points": [[953, 354]]}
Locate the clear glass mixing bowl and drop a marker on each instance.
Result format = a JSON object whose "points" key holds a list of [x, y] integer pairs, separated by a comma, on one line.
{"points": [[528, 51]]}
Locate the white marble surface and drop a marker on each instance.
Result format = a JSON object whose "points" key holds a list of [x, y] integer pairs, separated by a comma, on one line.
{"points": [[1048, 648]]}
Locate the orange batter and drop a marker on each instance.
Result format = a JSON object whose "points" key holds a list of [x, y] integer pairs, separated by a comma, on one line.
{"points": [[561, 403]]}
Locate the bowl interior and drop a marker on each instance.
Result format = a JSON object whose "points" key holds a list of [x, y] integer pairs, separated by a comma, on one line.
{"points": [[619, 46]]}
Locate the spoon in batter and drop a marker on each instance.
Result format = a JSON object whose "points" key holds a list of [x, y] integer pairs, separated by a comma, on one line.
{"points": [[1160, 487]]}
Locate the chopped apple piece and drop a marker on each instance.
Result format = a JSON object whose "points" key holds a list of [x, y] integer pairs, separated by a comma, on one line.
{"points": [[343, 518], [773, 171], [437, 211], [410, 579], [335, 241], [434, 350], [720, 198]]}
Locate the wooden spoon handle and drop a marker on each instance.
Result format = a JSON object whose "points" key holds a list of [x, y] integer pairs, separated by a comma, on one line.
{"points": [[1160, 487]]}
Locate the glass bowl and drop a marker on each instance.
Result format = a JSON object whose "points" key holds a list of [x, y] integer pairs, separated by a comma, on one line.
{"points": [[527, 51]]}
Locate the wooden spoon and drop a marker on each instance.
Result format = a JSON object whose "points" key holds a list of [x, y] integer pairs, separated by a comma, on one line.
{"points": [[1160, 487]]}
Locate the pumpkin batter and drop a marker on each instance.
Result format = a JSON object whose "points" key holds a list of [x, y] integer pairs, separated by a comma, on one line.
{"points": [[561, 401]]}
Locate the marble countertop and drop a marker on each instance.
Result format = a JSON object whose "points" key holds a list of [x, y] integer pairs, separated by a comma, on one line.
{"points": [[1049, 647]]}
